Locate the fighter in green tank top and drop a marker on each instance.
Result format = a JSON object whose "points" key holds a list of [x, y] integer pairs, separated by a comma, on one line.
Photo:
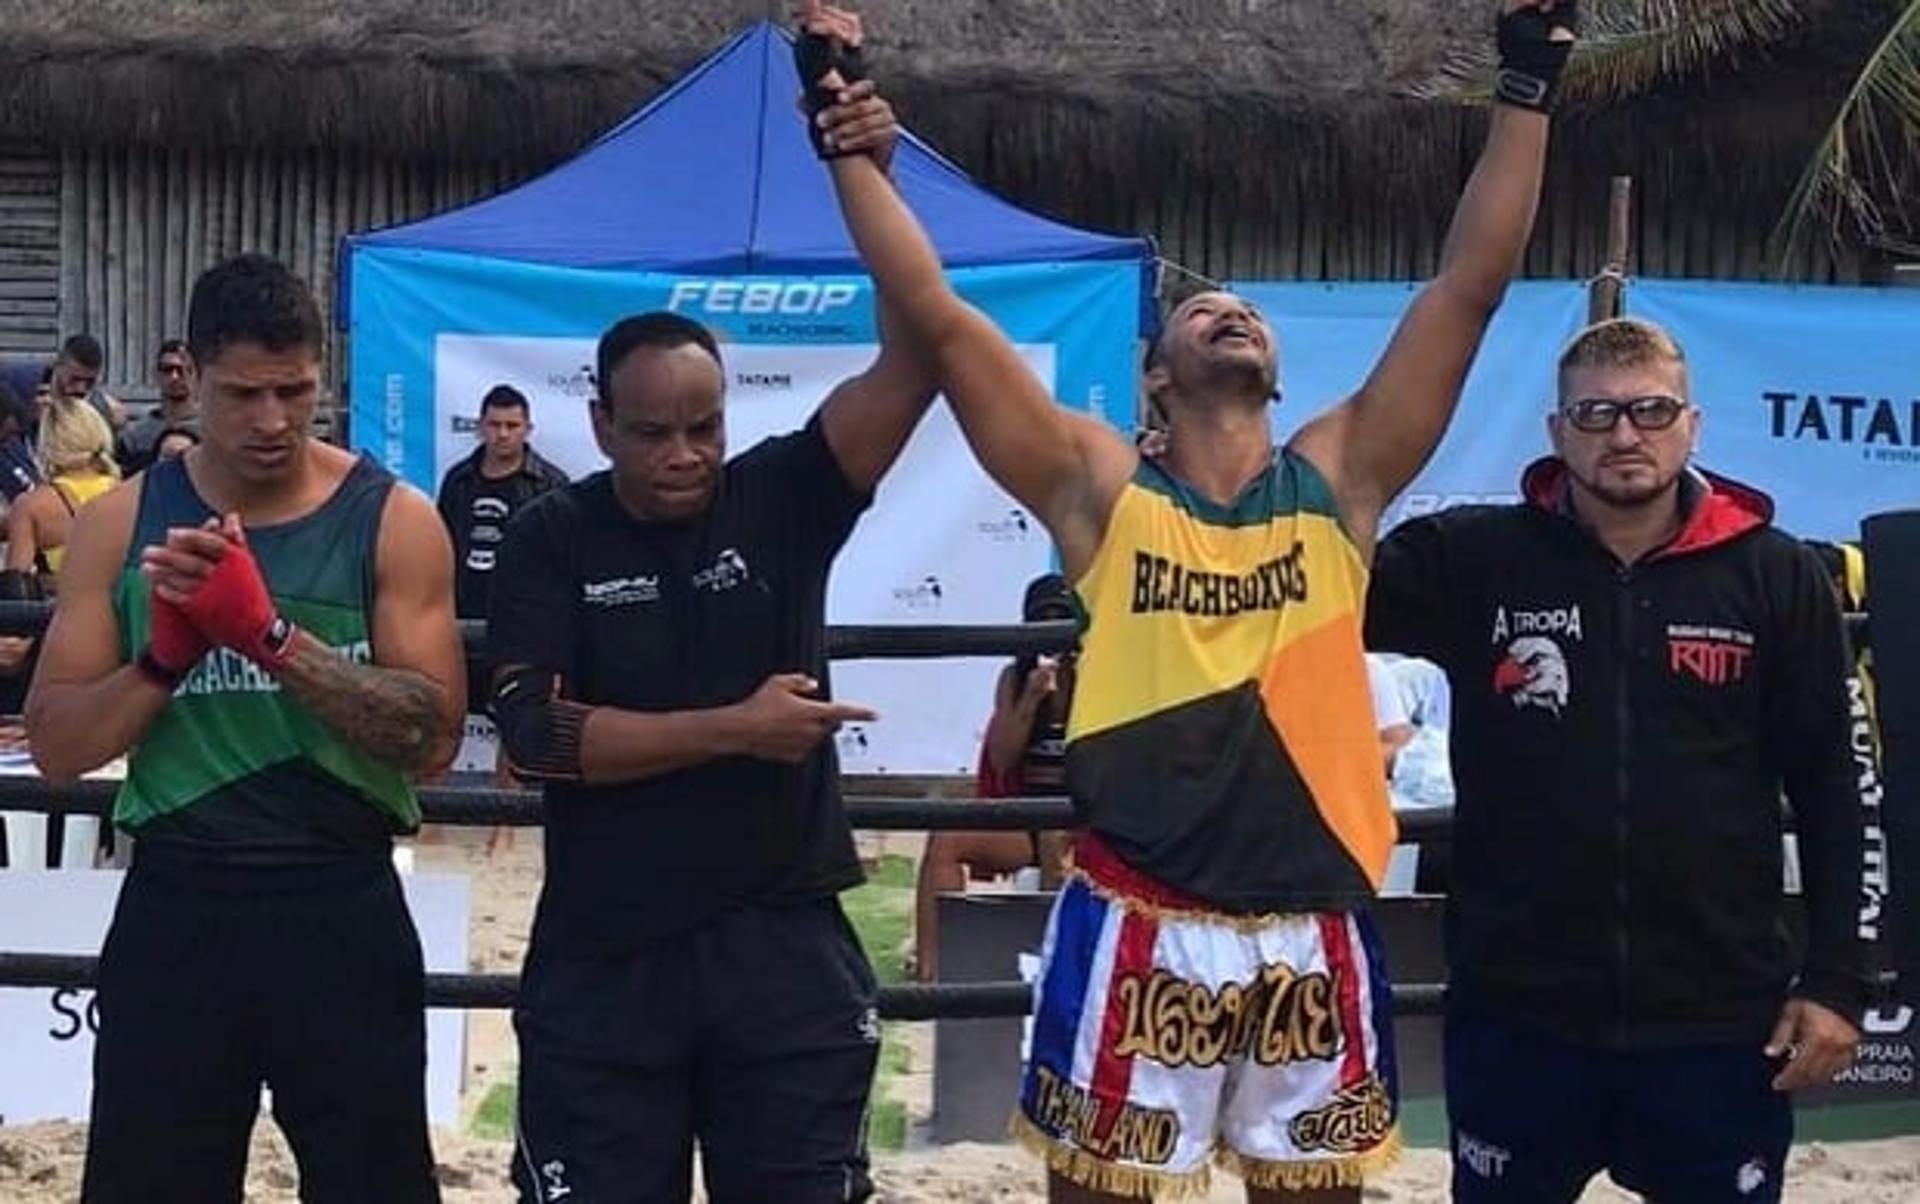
{"points": [[235, 765]]}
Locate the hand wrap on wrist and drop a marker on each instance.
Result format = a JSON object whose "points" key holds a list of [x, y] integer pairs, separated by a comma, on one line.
{"points": [[816, 56], [1531, 59]]}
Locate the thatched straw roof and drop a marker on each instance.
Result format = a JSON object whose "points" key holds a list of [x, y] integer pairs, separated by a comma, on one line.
{"points": [[501, 77], [1095, 109]]}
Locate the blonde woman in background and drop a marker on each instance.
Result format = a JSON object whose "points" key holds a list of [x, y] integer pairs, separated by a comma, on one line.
{"points": [[75, 451]]}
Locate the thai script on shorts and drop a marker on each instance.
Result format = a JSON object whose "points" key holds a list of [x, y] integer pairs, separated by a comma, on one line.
{"points": [[1357, 1119], [1279, 1018]]}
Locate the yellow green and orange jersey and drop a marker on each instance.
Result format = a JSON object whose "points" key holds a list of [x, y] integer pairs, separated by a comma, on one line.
{"points": [[1222, 736]]}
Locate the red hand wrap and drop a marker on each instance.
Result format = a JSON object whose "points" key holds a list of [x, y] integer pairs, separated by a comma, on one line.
{"points": [[173, 642], [233, 609]]}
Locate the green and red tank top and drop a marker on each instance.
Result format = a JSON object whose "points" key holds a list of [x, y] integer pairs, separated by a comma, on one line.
{"points": [[234, 766]]}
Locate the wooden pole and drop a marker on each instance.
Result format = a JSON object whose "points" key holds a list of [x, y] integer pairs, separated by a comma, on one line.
{"points": [[1603, 301]]}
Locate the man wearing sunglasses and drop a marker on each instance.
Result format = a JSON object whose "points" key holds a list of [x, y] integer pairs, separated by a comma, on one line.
{"points": [[1641, 667], [173, 378]]}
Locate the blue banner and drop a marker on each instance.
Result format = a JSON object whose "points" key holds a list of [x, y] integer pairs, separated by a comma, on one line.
{"points": [[1808, 393], [1331, 335], [407, 302]]}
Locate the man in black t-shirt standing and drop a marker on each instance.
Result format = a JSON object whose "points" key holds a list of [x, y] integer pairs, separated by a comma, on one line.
{"points": [[477, 497], [661, 641], [480, 493]]}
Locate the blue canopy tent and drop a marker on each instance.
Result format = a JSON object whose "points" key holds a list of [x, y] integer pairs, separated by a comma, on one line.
{"points": [[715, 177], [710, 202]]}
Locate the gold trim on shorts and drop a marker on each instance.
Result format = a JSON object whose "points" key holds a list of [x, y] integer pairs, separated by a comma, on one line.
{"points": [[1317, 1175]]}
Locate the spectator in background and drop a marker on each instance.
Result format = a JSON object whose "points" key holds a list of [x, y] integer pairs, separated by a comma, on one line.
{"points": [[76, 374], [74, 466], [1390, 717], [179, 408], [42, 397], [18, 476], [1024, 753], [1419, 768], [174, 442], [477, 497], [480, 493], [18, 471], [75, 454], [1419, 775]]}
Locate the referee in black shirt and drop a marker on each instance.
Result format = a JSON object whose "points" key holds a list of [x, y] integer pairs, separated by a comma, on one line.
{"points": [[659, 629]]}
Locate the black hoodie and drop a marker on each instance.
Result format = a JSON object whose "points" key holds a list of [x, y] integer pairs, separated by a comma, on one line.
{"points": [[1621, 739]]}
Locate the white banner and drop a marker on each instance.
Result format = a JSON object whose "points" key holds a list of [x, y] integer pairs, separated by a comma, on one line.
{"points": [[941, 544], [46, 1035]]}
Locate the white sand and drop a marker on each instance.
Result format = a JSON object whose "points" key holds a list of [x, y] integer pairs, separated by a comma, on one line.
{"points": [[40, 1164]]}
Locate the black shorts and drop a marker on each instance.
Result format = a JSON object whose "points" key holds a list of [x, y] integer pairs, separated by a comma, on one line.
{"points": [[1535, 1118], [755, 1036], [217, 979]]}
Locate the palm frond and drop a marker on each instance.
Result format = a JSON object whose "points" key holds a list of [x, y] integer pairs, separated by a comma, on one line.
{"points": [[1862, 176], [1630, 46]]}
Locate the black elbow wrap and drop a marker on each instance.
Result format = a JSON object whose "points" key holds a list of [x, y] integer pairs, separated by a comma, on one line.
{"points": [[540, 731]]}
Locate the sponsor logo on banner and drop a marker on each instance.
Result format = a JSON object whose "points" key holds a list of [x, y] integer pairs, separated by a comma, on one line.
{"points": [[1883, 428], [1880, 1064], [774, 382], [922, 597], [394, 446], [1885, 1058], [1012, 527], [1881, 1022], [578, 383], [788, 298], [787, 309]]}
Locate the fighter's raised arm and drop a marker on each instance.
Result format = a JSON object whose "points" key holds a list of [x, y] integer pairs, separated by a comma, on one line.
{"points": [[1374, 443], [868, 418], [1066, 468]]}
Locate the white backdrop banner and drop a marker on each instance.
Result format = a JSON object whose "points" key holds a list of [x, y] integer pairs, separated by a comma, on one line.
{"points": [[46, 1034], [432, 332]]}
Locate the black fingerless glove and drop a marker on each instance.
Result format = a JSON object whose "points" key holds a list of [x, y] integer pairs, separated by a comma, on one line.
{"points": [[816, 57], [1531, 60]]}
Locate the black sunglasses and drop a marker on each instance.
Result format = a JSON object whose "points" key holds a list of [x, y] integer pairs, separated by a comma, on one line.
{"points": [[1599, 415]]}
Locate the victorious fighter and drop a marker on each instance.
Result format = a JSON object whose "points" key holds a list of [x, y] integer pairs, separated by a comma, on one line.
{"points": [[1210, 983]]}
